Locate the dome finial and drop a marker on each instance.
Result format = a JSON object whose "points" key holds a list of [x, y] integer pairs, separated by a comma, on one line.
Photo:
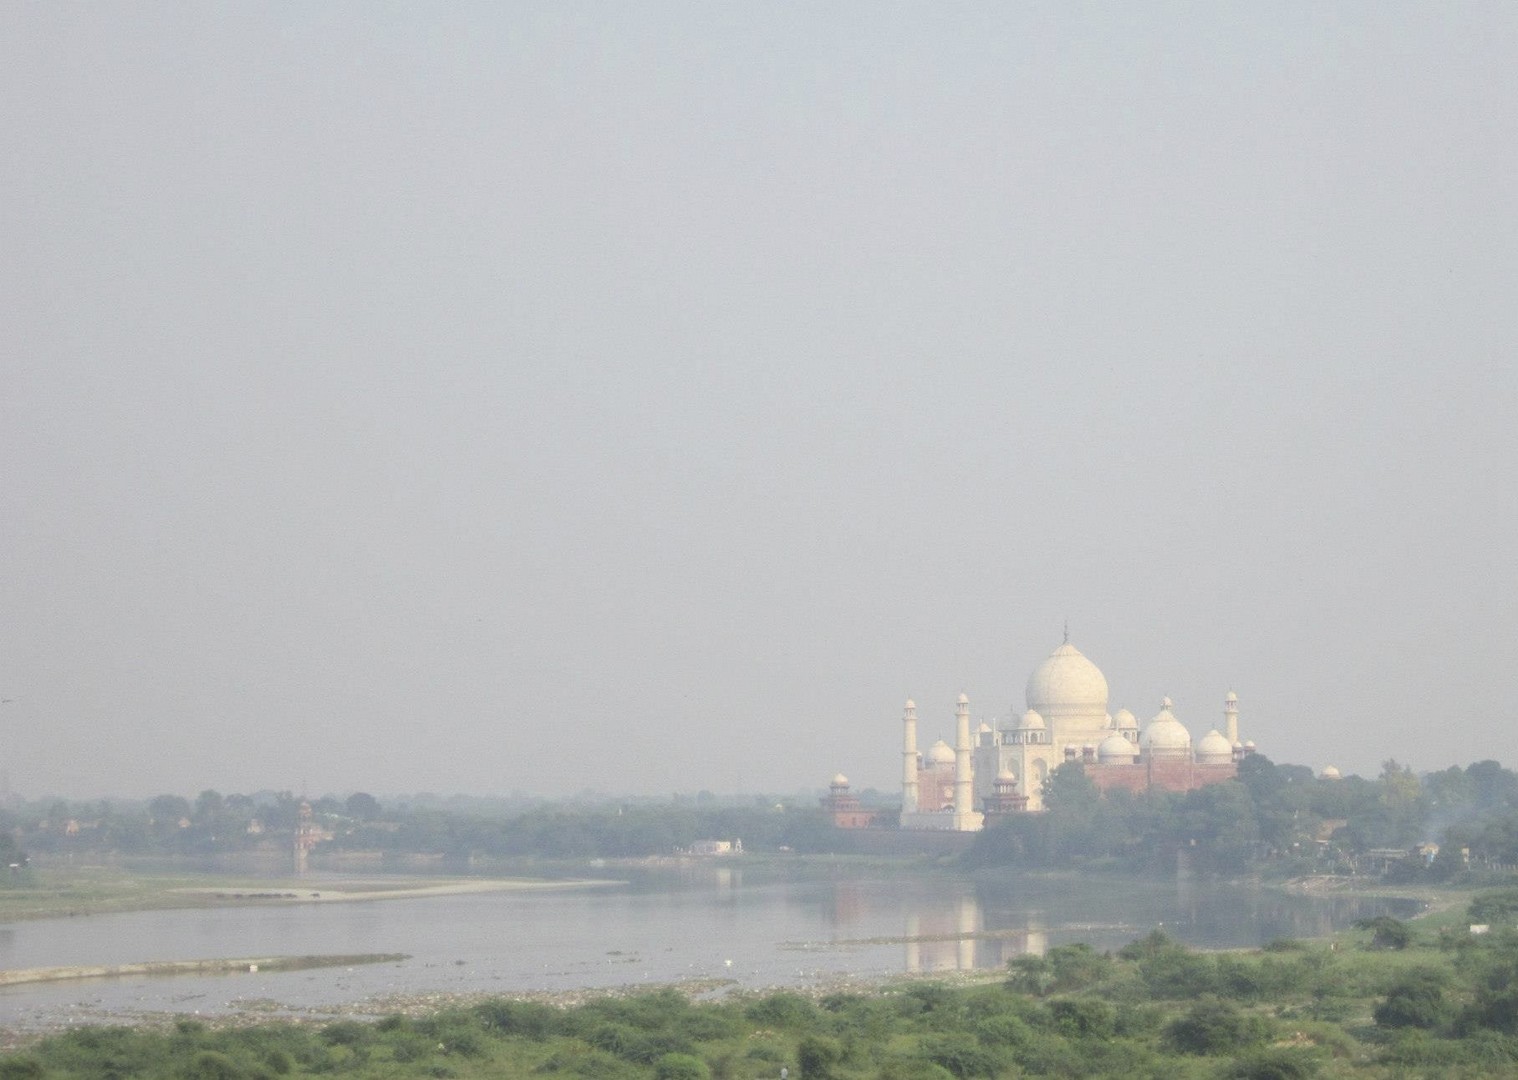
{"points": [[1067, 631]]}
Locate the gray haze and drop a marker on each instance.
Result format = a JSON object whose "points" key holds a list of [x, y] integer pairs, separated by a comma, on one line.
{"points": [[540, 397]]}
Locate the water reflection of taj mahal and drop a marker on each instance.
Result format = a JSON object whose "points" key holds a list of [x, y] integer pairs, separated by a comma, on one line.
{"points": [[1001, 768]]}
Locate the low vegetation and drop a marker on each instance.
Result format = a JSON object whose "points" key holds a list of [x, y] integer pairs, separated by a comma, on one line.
{"points": [[1386, 1001]]}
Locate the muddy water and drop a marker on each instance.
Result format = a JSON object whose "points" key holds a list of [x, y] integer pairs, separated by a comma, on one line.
{"points": [[758, 925]]}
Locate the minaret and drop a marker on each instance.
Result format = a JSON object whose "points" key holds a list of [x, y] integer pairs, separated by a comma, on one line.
{"points": [[1231, 718], [909, 803], [963, 777]]}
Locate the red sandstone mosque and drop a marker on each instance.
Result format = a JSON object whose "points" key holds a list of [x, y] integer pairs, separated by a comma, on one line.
{"points": [[1001, 770]]}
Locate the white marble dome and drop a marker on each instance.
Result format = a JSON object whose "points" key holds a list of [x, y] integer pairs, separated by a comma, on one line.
{"points": [[1331, 772], [941, 753], [1031, 721], [1115, 748], [1067, 684], [1167, 737], [1125, 721], [1214, 749], [1006, 777], [839, 780]]}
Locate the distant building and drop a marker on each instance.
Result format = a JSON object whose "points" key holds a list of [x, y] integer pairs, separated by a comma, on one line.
{"points": [[716, 847], [843, 806], [1001, 769]]}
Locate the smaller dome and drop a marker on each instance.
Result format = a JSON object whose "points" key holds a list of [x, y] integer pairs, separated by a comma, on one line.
{"points": [[1231, 697], [1166, 736], [963, 699], [1331, 772], [1214, 749], [839, 780], [911, 704], [1115, 748], [941, 753], [1006, 777], [985, 728], [1248, 744], [1031, 721], [1125, 721]]}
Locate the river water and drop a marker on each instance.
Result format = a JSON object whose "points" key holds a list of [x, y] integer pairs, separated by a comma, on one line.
{"points": [[758, 925]]}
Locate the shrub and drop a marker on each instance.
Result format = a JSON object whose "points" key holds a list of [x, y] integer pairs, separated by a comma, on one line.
{"points": [[1081, 1018], [817, 1057], [1275, 1063], [1077, 966], [210, 1065], [1415, 1000], [1003, 1030], [914, 1069], [588, 1064], [783, 1010], [961, 1056], [1386, 932], [347, 1033], [530, 1019], [20, 1068], [1496, 906], [681, 1067], [1214, 1027], [407, 1047]]}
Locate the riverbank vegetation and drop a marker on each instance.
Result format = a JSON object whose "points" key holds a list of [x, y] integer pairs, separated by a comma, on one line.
{"points": [[1389, 1000], [1459, 826]]}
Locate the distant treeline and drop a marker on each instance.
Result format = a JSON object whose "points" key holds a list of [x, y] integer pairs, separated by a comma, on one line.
{"points": [[216, 824], [1439, 826], [1273, 816]]}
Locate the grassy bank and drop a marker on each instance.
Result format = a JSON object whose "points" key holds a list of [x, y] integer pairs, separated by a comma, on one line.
{"points": [[54, 892]]}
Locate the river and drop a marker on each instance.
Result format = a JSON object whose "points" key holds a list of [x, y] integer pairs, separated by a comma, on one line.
{"points": [[759, 925]]}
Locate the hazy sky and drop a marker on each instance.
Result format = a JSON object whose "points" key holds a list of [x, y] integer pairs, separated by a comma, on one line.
{"points": [[478, 398]]}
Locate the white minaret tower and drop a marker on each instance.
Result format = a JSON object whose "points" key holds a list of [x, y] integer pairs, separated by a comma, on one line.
{"points": [[964, 778], [1231, 718], [909, 804]]}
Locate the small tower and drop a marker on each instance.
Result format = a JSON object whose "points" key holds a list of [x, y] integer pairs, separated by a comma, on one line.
{"points": [[305, 837], [1231, 717], [909, 758]]}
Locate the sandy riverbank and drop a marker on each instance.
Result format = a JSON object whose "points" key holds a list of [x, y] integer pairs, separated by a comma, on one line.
{"points": [[309, 892]]}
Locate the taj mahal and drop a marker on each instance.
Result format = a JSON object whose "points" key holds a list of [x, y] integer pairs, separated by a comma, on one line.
{"points": [[1000, 769]]}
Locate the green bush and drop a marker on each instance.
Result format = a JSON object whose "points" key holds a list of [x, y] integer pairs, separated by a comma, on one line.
{"points": [[961, 1056], [783, 1010], [913, 1069], [1082, 1018], [1078, 966], [1275, 1063], [21, 1068], [1002, 1030], [1386, 932], [1497, 906], [347, 1033], [407, 1047], [681, 1067], [1214, 1027], [817, 1058], [589, 1065], [530, 1019], [1417, 1000], [210, 1065]]}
